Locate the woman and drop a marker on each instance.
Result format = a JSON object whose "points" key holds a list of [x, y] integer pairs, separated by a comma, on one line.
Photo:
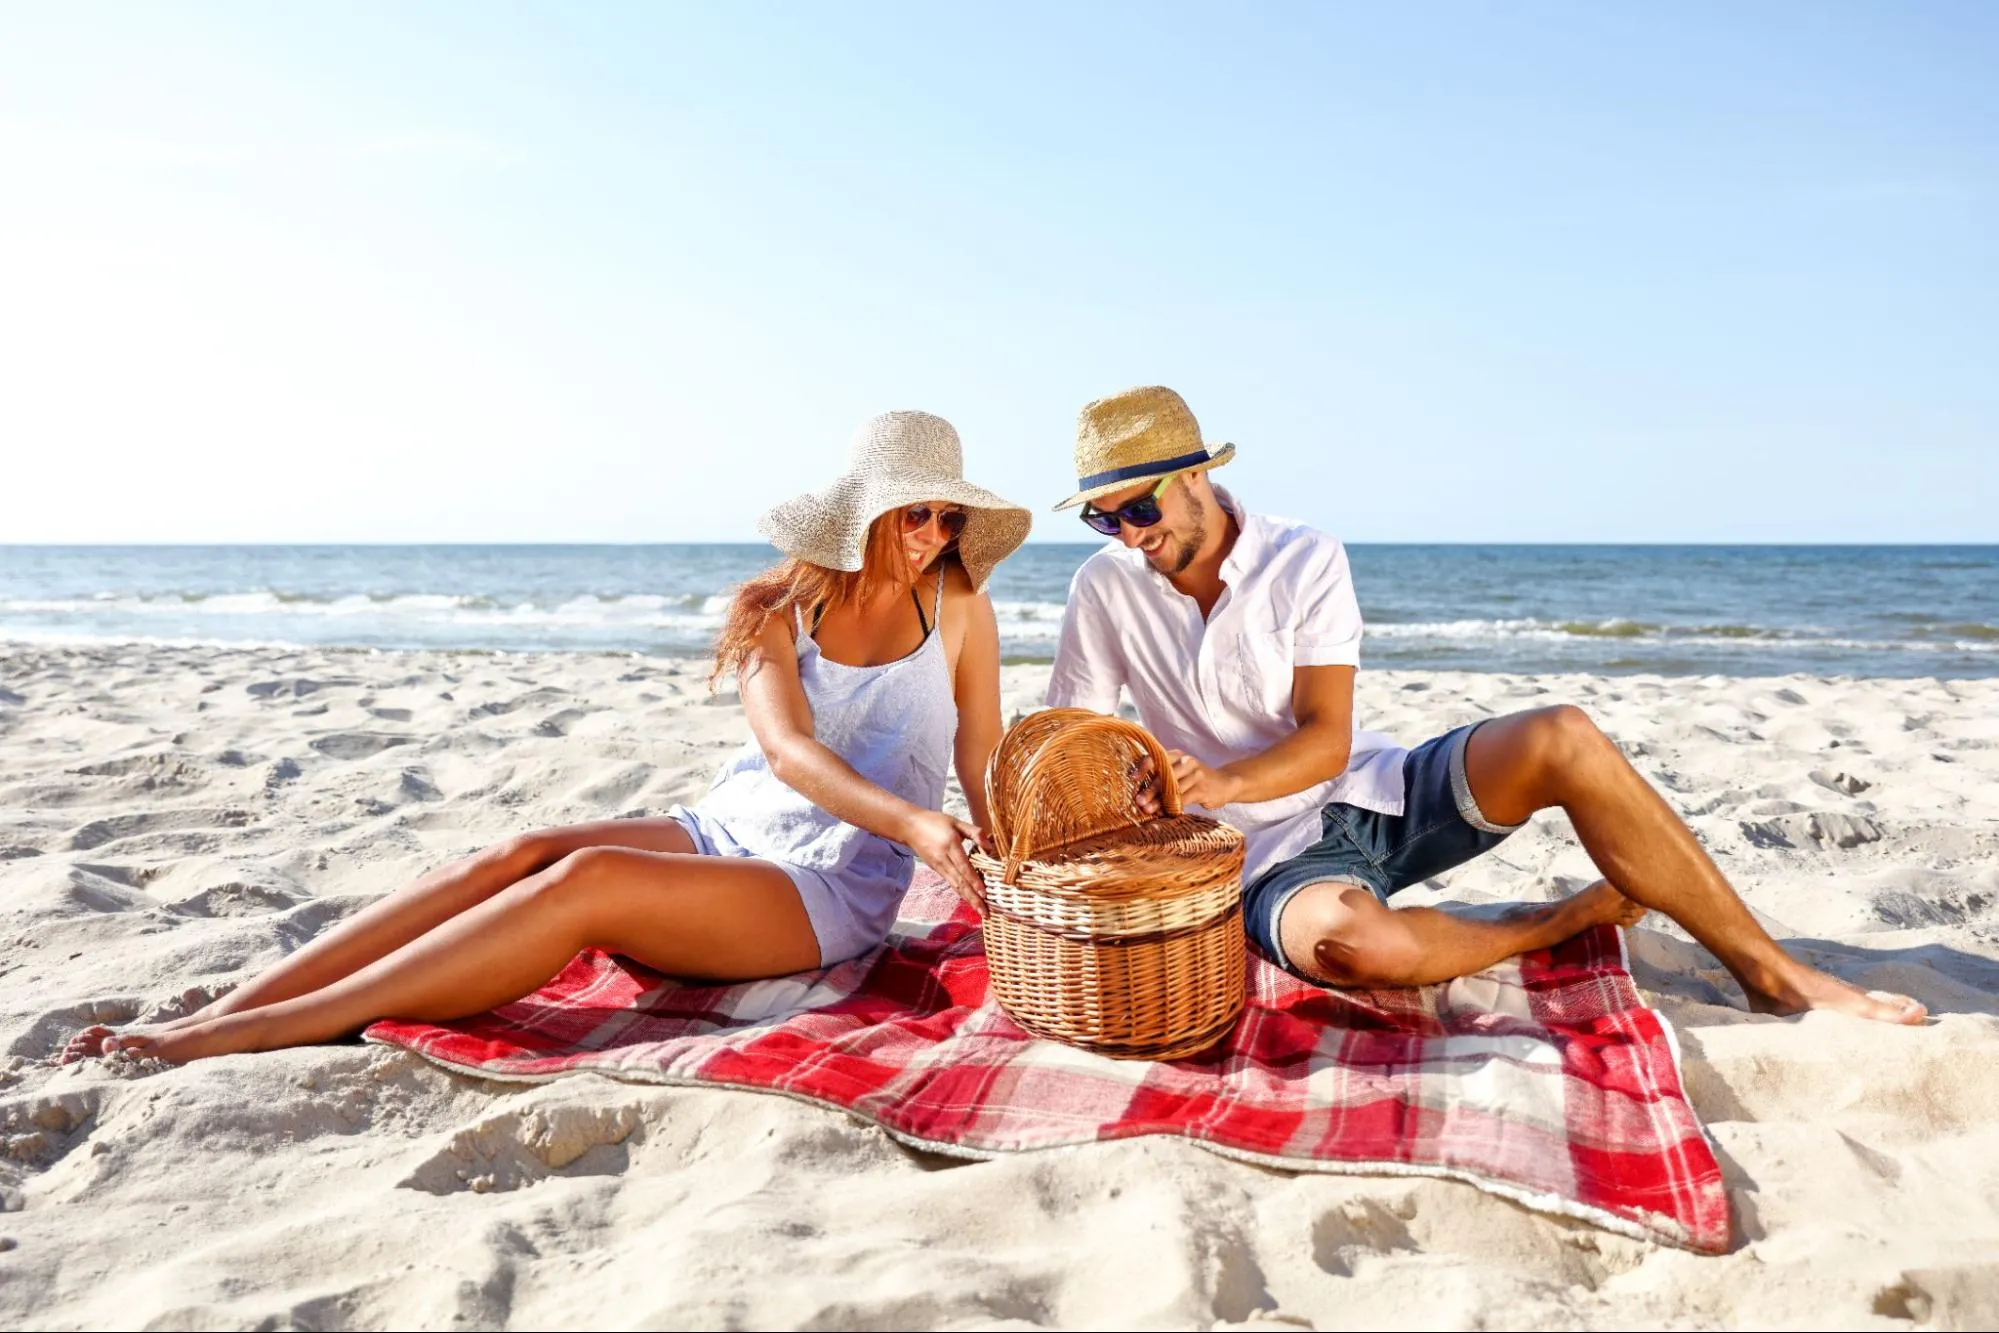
{"points": [[868, 661]]}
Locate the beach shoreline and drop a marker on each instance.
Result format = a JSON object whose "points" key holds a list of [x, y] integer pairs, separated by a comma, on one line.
{"points": [[175, 817], [1437, 607]]}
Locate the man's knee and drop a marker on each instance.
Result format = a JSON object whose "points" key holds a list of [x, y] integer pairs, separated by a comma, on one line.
{"points": [[1564, 731], [1343, 935], [1558, 742]]}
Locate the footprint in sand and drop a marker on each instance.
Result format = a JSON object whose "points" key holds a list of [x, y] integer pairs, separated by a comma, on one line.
{"points": [[295, 687], [516, 1148], [1821, 829], [412, 784], [132, 877], [118, 827], [356, 744], [147, 772], [541, 698], [558, 724], [235, 899], [37, 1132]]}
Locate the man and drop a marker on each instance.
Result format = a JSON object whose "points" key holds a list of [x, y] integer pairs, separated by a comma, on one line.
{"points": [[1238, 638]]}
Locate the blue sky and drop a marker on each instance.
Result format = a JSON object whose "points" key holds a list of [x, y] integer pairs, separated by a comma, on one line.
{"points": [[633, 272]]}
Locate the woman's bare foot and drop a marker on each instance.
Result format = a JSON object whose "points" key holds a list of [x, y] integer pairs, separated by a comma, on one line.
{"points": [[176, 1045], [86, 1044], [193, 1005], [1813, 989]]}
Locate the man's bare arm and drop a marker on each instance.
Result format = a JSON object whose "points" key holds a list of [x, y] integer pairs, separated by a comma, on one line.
{"points": [[1322, 702]]}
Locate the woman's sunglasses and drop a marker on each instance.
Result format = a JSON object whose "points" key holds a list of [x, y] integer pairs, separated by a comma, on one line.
{"points": [[1140, 513], [917, 517]]}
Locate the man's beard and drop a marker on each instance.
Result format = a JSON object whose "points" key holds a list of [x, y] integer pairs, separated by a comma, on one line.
{"points": [[1190, 547]]}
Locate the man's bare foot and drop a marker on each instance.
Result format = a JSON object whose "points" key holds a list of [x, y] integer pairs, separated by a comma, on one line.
{"points": [[1602, 905], [1813, 989]]}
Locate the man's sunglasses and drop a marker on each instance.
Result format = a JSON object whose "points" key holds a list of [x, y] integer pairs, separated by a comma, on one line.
{"points": [[917, 517], [1140, 513]]}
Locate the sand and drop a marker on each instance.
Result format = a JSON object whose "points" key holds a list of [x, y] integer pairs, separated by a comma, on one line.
{"points": [[180, 817]]}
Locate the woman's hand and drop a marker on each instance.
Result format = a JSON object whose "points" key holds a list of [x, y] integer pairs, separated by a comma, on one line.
{"points": [[939, 841]]}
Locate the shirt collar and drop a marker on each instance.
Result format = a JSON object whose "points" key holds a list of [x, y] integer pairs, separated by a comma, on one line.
{"points": [[1247, 553]]}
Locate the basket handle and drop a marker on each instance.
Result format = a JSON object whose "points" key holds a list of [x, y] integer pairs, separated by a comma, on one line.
{"points": [[1064, 774]]}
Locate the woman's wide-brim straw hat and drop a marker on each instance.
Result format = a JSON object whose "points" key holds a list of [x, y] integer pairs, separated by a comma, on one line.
{"points": [[898, 459], [1131, 436]]}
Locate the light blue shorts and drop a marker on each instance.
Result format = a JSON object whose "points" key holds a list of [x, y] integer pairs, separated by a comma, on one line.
{"points": [[842, 930]]}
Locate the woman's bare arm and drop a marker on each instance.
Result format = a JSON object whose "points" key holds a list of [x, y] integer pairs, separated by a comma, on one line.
{"points": [[977, 689], [781, 718]]}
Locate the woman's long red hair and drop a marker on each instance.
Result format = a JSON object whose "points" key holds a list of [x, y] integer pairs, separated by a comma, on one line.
{"points": [[799, 585]]}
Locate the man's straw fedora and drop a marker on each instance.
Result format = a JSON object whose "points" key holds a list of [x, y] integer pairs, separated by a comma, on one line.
{"points": [[1140, 433], [898, 459]]}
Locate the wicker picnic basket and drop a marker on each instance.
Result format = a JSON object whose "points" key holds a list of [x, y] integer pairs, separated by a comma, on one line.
{"points": [[1105, 929]]}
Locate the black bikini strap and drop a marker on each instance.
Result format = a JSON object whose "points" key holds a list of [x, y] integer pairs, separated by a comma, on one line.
{"points": [[936, 611]]}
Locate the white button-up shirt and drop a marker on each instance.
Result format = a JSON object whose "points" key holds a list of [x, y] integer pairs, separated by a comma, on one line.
{"points": [[1220, 689]]}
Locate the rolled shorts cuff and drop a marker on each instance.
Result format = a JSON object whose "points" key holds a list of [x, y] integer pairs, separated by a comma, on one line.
{"points": [[1461, 786]]}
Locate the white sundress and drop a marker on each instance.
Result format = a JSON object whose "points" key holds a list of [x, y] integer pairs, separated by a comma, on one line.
{"points": [[894, 724]]}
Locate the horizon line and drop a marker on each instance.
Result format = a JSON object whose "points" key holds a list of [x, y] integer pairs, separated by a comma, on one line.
{"points": [[604, 545]]}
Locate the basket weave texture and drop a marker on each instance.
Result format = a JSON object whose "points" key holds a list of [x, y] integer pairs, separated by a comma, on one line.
{"points": [[1105, 929]]}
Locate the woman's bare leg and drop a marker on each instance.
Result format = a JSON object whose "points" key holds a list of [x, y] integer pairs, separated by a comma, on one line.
{"points": [[391, 922], [706, 917]]}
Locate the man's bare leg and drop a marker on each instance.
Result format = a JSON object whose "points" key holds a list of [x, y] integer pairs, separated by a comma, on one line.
{"points": [[392, 922], [1341, 934], [1532, 761]]}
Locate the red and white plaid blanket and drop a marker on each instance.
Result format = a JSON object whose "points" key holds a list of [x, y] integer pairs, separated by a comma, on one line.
{"points": [[1545, 1080]]}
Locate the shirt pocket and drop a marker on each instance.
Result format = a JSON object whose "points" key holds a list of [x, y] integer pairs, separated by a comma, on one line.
{"points": [[1258, 680]]}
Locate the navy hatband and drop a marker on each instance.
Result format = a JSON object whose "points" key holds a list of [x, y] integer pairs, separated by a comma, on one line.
{"points": [[1138, 470]]}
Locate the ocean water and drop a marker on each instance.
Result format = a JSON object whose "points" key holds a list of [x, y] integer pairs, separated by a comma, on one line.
{"points": [[1749, 610]]}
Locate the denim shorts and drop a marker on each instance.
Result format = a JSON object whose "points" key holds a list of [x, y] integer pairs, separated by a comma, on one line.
{"points": [[1440, 827]]}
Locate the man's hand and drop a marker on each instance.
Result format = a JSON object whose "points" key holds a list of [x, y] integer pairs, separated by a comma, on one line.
{"points": [[1201, 785], [939, 841], [1144, 781]]}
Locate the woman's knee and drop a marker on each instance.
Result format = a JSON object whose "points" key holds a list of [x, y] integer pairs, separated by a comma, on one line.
{"points": [[526, 854], [572, 881]]}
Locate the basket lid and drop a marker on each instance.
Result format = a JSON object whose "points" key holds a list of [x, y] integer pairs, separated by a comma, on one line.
{"points": [[1066, 774]]}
